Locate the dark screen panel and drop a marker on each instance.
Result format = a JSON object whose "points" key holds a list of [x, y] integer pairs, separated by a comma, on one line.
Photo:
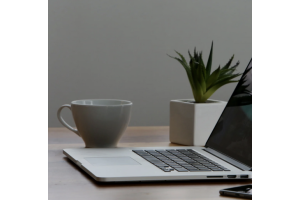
{"points": [[232, 134]]}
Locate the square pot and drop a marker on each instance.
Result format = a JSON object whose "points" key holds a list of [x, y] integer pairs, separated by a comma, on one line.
{"points": [[192, 123]]}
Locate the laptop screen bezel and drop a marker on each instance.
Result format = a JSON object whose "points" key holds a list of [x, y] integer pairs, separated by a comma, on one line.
{"points": [[206, 144]]}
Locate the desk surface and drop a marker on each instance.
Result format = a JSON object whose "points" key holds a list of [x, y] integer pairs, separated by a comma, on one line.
{"points": [[67, 181]]}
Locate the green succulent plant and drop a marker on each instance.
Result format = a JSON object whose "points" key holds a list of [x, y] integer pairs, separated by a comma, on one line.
{"points": [[203, 82]]}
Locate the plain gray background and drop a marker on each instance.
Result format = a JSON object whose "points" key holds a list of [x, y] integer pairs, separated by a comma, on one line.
{"points": [[116, 49]]}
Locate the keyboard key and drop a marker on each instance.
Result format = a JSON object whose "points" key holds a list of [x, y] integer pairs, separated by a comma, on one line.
{"points": [[185, 166], [193, 157], [153, 154], [186, 160], [172, 157], [171, 163], [199, 165], [202, 167], [190, 168], [151, 159], [169, 160], [158, 162], [148, 157], [188, 165], [194, 170], [181, 170], [155, 161], [176, 166], [209, 165], [161, 165], [138, 151], [177, 160], [215, 168], [165, 159], [177, 153], [180, 156], [200, 159], [181, 162]]}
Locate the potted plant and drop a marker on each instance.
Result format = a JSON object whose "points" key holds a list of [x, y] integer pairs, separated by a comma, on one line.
{"points": [[192, 120]]}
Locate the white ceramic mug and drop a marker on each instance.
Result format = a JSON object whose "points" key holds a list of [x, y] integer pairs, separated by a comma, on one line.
{"points": [[99, 122]]}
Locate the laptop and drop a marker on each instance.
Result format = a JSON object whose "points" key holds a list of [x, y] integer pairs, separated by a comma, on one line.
{"points": [[227, 153]]}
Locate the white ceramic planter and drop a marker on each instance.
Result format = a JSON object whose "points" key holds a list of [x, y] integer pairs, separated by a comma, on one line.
{"points": [[192, 123]]}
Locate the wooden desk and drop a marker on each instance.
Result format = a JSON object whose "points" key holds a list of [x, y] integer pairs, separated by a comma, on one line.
{"points": [[67, 181]]}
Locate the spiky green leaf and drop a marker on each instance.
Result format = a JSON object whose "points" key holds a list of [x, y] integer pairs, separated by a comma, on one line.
{"points": [[184, 64], [187, 69], [196, 55], [227, 78], [202, 66], [214, 89], [228, 63], [202, 82], [194, 73], [230, 70], [181, 56], [213, 77], [209, 62]]}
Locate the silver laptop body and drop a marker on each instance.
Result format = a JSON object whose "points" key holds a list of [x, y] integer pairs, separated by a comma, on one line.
{"points": [[229, 148], [122, 164]]}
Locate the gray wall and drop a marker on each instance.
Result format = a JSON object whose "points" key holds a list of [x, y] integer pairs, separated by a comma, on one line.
{"points": [[117, 49]]}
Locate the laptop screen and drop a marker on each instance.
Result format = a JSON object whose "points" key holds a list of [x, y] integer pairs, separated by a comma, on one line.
{"points": [[232, 134]]}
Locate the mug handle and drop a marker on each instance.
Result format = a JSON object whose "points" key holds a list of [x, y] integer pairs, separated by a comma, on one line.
{"points": [[62, 121]]}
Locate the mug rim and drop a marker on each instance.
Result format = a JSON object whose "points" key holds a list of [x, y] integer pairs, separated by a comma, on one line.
{"points": [[126, 102]]}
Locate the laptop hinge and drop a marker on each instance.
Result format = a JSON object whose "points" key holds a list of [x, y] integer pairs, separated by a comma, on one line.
{"points": [[227, 159]]}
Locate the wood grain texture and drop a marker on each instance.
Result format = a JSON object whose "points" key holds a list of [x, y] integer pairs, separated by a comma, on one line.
{"points": [[67, 181]]}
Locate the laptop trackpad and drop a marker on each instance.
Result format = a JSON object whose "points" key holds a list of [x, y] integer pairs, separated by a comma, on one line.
{"points": [[109, 161]]}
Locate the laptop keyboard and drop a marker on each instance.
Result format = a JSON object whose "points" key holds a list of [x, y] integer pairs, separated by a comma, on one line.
{"points": [[181, 160]]}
